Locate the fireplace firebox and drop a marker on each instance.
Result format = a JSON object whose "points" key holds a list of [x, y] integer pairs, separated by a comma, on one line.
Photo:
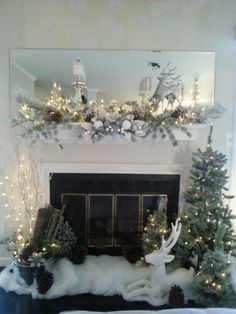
{"points": [[107, 211]]}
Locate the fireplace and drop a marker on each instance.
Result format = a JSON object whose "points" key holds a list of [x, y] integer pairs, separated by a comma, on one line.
{"points": [[109, 210]]}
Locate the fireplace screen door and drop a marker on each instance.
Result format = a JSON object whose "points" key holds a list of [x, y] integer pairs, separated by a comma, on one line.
{"points": [[100, 220], [110, 220]]}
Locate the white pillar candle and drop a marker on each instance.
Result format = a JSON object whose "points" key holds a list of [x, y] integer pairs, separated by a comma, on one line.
{"points": [[78, 70], [145, 84]]}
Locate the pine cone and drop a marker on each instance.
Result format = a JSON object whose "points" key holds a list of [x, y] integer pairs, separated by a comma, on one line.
{"points": [[131, 253], [27, 252], [179, 113], [44, 280], [52, 114], [176, 297], [77, 254], [139, 113], [89, 116], [40, 271]]}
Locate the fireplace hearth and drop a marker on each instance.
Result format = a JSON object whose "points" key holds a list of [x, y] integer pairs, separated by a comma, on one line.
{"points": [[107, 211]]}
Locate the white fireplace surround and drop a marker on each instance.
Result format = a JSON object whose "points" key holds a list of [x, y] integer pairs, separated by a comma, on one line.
{"points": [[49, 168]]}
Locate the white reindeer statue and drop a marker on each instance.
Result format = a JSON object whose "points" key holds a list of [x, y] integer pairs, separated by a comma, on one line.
{"points": [[155, 290], [110, 275]]}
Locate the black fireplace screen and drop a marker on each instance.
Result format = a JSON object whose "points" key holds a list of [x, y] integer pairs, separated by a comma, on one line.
{"points": [[107, 211]]}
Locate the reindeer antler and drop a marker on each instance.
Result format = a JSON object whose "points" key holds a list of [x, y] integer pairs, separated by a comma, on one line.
{"points": [[167, 245], [171, 73], [162, 256]]}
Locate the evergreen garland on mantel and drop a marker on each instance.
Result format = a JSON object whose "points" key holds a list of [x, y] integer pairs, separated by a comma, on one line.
{"points": [[130, 120]]}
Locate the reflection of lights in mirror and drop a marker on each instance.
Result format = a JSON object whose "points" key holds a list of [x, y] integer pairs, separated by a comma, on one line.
{"points": [[113, 76]]}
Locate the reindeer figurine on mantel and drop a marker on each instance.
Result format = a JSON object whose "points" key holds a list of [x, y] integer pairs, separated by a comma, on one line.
{"points": [[168, 83], [155, 290]]}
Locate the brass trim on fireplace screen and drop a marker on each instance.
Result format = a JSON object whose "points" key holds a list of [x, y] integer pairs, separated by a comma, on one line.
{"points": [[114, 196]]}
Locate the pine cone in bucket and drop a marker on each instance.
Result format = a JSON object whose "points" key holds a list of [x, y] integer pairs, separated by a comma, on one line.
{"points": [[44, 280], [27, 252]]}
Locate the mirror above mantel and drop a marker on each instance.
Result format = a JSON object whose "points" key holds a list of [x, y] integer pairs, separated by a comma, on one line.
{"points": [[111, 82], [110, 74]]}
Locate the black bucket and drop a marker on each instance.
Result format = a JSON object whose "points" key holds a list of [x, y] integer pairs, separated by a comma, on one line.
{"points": [[25, 274]]}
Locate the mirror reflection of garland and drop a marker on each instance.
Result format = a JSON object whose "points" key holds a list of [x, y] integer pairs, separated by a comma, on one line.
{"points": [[132, 120]]}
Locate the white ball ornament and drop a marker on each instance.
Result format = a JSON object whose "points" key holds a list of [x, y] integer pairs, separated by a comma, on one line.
{"points": [[126, 125], [98, 124]]}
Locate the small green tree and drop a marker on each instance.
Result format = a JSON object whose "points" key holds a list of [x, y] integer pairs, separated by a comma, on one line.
{"points": [[155, 228], [207, 209]]}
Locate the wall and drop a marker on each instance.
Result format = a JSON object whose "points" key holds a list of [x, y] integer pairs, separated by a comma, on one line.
{"points": [[203, 25]]}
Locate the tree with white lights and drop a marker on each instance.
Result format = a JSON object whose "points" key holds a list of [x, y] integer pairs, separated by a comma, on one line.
{"points": [[155, 228], [207, 230]]}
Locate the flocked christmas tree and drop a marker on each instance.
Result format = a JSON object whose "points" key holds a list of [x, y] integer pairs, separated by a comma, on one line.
{"points": [[155, 228], [207, 235], [207, 209], [213, 281]]}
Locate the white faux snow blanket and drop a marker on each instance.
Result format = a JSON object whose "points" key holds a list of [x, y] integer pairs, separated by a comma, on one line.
{"points": [[99, 275]]}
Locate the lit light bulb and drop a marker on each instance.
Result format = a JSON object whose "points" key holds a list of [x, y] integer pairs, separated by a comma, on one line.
{"points": [[19, 238]]}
